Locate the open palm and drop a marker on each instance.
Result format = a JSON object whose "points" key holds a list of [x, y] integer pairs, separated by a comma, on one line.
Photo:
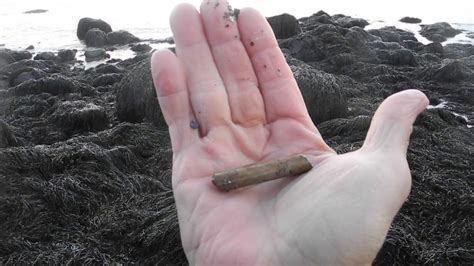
{"points": [[230, 99]]}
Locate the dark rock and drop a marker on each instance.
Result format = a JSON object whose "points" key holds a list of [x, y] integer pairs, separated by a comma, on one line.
{"points": [[21, 55], [55, 84], [402, 57], [413, 45], [35, 11], [284, 26], [410, 20], [136, 97], [323, 95], [79, 116], [67, 55], [95, 54], [433, 48], [349, 22], [108, 69], [46, 56], [107, 79], [86, 24], [95, 38], [6, 59], [140, 48], [470, 35], [121, 37], [30, 106], [31, 47], [7, 137], [451, 71], [25, 74], [438, 32], [386, 35], [458, 50]]}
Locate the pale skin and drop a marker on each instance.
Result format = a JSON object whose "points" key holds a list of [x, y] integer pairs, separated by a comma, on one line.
{"points": [[231, 77]]}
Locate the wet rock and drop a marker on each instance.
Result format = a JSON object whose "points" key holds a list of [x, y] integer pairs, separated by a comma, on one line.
{"points": [[30, 47], [31, 106], [21, 55], [411, 20], [284, 26], [121, 37], [451, 71], [95, 38], [349, 22], [413, 45], [46, 56], [35, 11], [402, 57], [25, 74], [108, 69], [140, 48], [458, 50], [55, 84], [323, 95], [136, 97], [67, 55], [95, 54], [438, 32], [7, 137], [79, 116], [86, 24], [107, 79], [433, 48], [5, 59]]}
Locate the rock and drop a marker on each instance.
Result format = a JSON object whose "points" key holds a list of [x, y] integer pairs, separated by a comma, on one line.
{"points": [[67, 55], [31, 47], [5, 59], [323, 95], [21, 55], [451, 71], [402, 57], [95, 54], [458, 50], [121, 37], [413, 45], [136, 97], [470, 35], [79, 116], [438, 32], [140, 48], [95, 38], [46, 56], [35, 11], [386, 35], [411, 20], [86, 24], [7, 137], [107, 79], [108, 69], [284, 26], [433, 48], [55, 84], [349, 22], [25, 74]]}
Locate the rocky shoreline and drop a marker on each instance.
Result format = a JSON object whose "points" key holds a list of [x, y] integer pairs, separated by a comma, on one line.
{"points": [[85, 156]]}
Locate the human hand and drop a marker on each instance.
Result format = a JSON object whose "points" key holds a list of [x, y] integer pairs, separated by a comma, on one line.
{"points": [[232, 79]]}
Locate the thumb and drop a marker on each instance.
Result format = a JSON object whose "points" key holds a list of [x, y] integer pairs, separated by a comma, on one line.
{"points": [[392, 123]]}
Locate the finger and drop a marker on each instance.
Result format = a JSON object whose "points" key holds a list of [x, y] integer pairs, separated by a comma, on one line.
{"points": [[173, 97], [233, 63], [206, 88], [281, 96], [391, 125]]}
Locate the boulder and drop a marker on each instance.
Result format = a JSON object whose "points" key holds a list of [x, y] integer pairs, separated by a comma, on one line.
{"points": [[95, 54], [451, 71], [95, 38], [121, 37], [284, 26], [5, 58], [55, 84], [438, 32], [85, 24], [78, 116], [107, 79], [433, 48], [402, 57], [67, 55], [108, 69], [25, 74], [140, 48], [46, 56], [411, 20], [30, 47], [458, 50], [349, 22], [21, 55], [323, 95], [136, 97]]}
